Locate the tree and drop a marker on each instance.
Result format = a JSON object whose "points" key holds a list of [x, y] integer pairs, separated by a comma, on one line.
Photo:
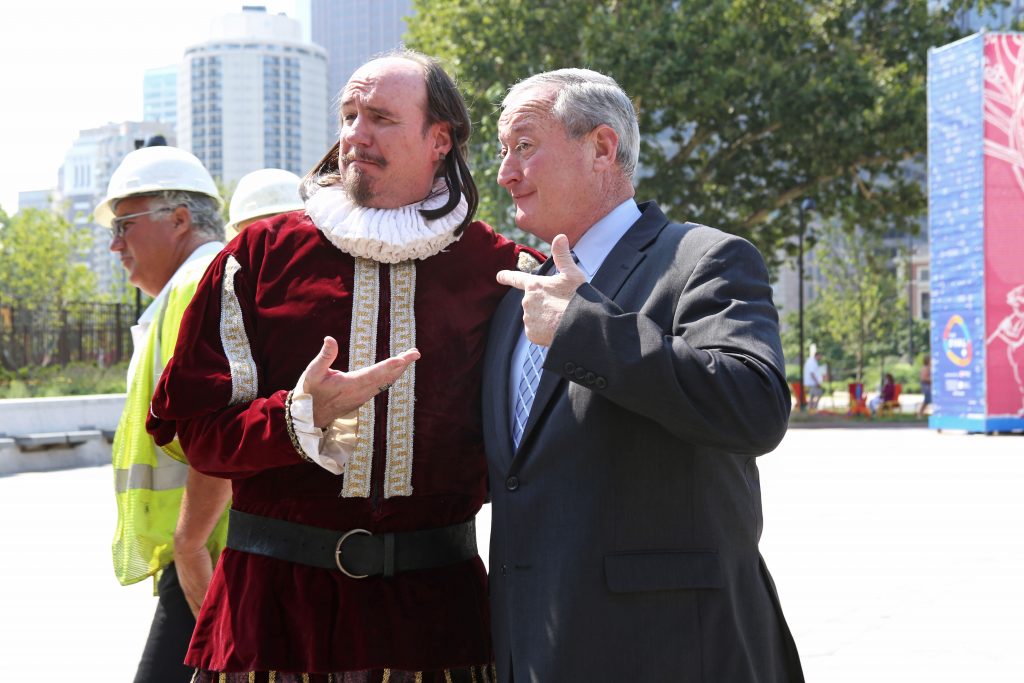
{"points": [[41, 259], [745, 106], [859, 314], [226, 191]]}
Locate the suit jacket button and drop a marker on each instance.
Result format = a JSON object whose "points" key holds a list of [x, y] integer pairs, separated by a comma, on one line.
{"points": [[600, 382], [504, 570], [569, 367], [580, 373], [590, 378], [512, 483]]}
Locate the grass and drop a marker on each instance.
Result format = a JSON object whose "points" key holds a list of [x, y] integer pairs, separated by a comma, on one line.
{"points": [[908, 416], [75, 379]]}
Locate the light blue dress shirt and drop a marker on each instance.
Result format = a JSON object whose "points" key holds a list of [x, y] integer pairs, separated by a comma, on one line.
{"points": [[591, 250]]}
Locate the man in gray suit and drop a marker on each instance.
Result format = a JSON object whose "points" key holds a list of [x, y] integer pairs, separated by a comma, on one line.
{"points": [[628, 395]]}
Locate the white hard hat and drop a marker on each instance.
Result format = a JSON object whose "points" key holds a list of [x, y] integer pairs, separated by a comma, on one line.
{"points": [[266, 192], [154, 169]]}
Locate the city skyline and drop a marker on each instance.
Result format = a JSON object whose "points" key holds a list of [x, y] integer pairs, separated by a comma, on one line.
{"points": [[81, 66]]}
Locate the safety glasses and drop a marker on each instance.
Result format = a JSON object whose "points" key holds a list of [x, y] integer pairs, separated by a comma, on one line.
{"points": [[117, 224]]}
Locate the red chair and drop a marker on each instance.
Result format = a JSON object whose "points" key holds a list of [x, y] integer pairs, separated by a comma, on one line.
{"points": [[797, 389], [893, 406], [858, 402]]}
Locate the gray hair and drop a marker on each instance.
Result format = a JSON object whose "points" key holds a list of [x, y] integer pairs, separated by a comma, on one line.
{"points": [[207, 220], [585, 99]]}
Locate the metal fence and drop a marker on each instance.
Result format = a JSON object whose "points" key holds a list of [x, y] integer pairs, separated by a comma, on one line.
{"points": [[36, 335]]}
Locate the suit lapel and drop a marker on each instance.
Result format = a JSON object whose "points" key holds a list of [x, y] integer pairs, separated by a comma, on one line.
{"points": [[507, 324], [548, 380], [629, 251], [620, 263]]}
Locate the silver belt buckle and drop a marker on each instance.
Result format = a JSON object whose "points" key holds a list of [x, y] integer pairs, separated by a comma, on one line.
{"points": [[337, 554]]}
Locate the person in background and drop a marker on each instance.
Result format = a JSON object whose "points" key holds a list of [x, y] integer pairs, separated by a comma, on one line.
{"points": [[887, 394], [163, 210], [261, 194], [814, 378], [629, 387], [926, 385], [330, 367]]}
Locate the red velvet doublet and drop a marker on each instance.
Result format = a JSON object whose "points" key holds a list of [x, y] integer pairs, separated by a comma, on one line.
{"points": [[293, 287]]}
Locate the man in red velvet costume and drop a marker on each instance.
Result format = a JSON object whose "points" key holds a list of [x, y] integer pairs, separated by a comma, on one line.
{"points": [[356, 475]]}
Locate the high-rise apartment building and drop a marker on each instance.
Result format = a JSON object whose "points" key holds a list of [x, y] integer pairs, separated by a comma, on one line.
{"points": [[352, 31], [82, 184], [160, 95], [253, 96], [36, 199]]}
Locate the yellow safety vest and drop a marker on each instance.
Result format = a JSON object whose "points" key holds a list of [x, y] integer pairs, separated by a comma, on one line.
{"points": [[149, 483]]}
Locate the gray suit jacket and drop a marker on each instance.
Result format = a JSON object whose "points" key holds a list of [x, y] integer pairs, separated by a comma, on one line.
{"points": [[625, 527]]}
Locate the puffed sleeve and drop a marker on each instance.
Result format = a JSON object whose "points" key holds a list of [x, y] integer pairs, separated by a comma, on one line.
{"points": [[209, 394]]}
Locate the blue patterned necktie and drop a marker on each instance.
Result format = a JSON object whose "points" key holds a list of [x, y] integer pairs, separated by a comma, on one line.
{"points": [[527, 390]]}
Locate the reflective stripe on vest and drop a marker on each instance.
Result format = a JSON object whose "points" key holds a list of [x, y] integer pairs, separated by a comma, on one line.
{"points": [[169, 474]]}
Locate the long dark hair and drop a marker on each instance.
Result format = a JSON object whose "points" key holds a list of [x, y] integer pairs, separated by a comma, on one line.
{"points": [[444, 105]]}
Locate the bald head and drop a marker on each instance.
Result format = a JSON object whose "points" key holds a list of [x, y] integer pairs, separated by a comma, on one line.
{"points": [[390, 152]]}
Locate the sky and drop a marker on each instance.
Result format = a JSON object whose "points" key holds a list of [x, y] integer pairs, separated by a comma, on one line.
{"points": [[67, 65]]}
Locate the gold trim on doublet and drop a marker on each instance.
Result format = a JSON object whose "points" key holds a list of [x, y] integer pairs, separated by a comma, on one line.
{"points": [[234, 340], [527, 262], [486, 675], [402, 395], [290, 426], [362, 352]]}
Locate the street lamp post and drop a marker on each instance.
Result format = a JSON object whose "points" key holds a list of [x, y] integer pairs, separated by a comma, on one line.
{"points": [[804, 206], [910, 298]]}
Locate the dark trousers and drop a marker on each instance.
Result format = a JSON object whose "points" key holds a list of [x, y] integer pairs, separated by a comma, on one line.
{"points": [[163, 659]]}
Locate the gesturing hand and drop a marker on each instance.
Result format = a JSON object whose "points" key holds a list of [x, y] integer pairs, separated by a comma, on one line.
{"points": [[546, 297], [336, 394]]}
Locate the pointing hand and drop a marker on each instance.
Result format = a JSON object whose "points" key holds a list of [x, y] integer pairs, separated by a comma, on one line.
{"points": [[546, 297]]}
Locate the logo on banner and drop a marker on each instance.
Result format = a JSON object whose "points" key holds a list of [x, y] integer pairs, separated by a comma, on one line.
{"points": [[956, 342]]}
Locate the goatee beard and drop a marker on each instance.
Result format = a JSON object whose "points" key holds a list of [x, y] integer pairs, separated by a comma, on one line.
{"points": [[357, 186]]}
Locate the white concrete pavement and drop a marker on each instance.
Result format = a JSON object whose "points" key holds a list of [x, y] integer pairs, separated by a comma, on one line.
{"points": [[898, 555]]}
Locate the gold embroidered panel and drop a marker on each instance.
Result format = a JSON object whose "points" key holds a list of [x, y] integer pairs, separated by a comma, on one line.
{"points": [[526, 262], [402, 396], [362, 353], [244, 379]]}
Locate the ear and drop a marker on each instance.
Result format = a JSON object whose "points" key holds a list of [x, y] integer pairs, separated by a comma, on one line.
{"points": [[442, 133], [182, 217], [605, 142]]}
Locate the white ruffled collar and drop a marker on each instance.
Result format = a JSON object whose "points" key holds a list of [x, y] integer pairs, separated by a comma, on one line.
{"points": [[385, 235]]}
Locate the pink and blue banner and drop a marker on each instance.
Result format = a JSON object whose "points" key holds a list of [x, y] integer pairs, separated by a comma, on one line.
{"points": [[976, 232]]}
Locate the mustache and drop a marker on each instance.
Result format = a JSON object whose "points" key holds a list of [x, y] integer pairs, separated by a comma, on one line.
{"points": [[363, 156]]}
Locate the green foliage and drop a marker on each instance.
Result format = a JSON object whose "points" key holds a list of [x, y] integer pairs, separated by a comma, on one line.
{"points": [[858, 314], [745, 106], [225, 190], [41, 259], [75, 379]]}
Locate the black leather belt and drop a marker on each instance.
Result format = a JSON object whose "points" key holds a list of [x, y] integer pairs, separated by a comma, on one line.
{"points": [[356, 553]]}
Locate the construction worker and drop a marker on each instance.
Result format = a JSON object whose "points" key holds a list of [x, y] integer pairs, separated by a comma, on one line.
{"points": [[163, 209], [260, 194]]}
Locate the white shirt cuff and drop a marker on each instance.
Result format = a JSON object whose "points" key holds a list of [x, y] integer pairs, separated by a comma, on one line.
{"points": [[330, 448]]}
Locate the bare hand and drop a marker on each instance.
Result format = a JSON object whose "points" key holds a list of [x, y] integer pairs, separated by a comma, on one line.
{"points": [[336, 394], [546, 297], [195, 569]]}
